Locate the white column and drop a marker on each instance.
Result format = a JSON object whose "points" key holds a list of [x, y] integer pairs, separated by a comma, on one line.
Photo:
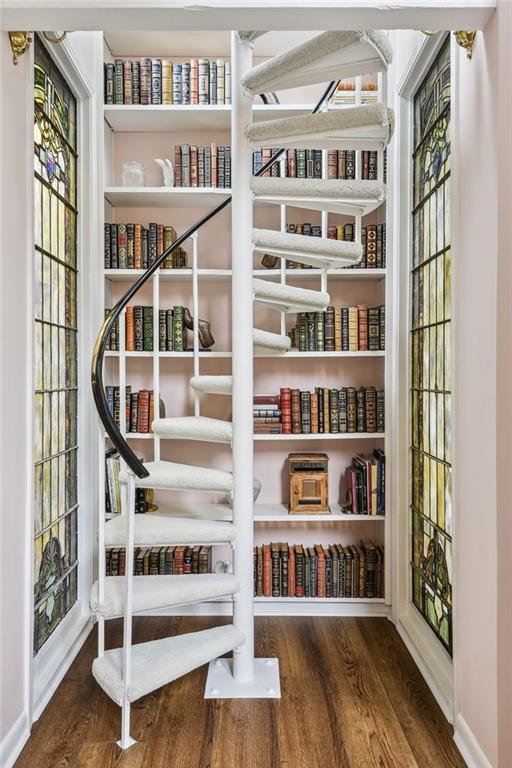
{"points": [[242, 327], [195, 312]]}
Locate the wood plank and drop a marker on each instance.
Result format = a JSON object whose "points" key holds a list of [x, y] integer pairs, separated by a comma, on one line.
{"points": [[351, 697], [425, 727]]}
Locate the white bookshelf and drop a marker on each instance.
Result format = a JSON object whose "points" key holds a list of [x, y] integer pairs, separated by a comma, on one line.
{"points": [[180, 119]]}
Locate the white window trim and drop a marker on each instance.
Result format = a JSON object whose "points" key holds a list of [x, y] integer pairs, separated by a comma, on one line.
{"points": [[55, 657], [430, 656]]}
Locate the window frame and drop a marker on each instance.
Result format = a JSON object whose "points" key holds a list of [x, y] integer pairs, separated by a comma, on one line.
{"points": [[428, 652], [50, 664]]}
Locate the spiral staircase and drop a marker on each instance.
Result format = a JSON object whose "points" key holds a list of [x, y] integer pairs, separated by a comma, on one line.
{"points": [[129, 672]]}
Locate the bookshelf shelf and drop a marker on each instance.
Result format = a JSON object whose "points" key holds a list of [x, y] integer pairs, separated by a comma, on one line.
{"points": [[190, 355], [325, 436], [224, 275], [226, 355], [324, 600], [165, 197], [165, 118], [278, 513]]}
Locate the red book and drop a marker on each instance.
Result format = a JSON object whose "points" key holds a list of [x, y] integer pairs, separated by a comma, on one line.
{"points": [[159, 239], [267, 571], [320, 564], [295, 412], [286, 410], [193, 166], [143, 411], [291, 572], [264, 399]]}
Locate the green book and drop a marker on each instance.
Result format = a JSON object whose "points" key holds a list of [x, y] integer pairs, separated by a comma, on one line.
{"points": [[147, 332], [178, 330]]}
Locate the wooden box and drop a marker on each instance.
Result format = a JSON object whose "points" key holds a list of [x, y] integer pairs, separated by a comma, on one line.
{"points": [[309, 483]]}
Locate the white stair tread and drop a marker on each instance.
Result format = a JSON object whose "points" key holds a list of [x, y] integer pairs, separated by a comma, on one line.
{"points": [[152, 529], [366, 127], [151, 592], [318, 252], [161, 661], [328, 56], [270, 343], [289, 298], [183, 477], [212, 385], [168, 475], [334, 195], [194, 428]]}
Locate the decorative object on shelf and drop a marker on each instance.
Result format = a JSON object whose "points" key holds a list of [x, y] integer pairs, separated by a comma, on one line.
{"points": [[463, 37], [20, 43], [206, 339], [167, 171], [134, 174], [309, 483], [223, 566]]}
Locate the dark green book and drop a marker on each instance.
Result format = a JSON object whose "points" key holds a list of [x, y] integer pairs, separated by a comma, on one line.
{"points": [[178, 330], [319, 331], [162, 330], [130, 246], [138, 328], [147, 331]]}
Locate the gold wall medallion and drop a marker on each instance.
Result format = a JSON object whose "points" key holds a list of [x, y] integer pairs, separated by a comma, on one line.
{"points": [[20, 43], [466, 40]]}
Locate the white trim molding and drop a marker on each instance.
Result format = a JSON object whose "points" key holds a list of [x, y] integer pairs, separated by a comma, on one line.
{"points": [[468, 745], [14, 741]]}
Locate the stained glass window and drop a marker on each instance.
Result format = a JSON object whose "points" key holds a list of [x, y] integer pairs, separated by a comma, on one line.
{"points": [[430, 395], [55, 348]]}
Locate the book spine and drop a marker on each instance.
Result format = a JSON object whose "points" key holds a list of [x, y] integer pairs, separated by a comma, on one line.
{"points": [[135, 66], [194, 81], [185, 83], [362, 312], [178, 330], [128, 85], [227, 82], [305, 412], [138, 324], [176, 85], [220, 82], [295, 410], [319, 331], [167, 88], [109, 83], [213, 82], [118, 81], [329, 329], [147, 330], [130, 246], [145, 81], [143, 414], [203, 81], [106, 246], [286, 410], [152, 243], [122, 246]]}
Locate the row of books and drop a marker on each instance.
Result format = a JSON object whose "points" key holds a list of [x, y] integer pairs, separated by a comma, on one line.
{"points": [[284, 570], [373, 241], [143, 496], [133, 246], [308, 163], [346, 93], [139, 408], [160, 561], [324, 411], [341, 164], [172, 333], [162, 81], [208, 166], [365, 479], [340, 329]]}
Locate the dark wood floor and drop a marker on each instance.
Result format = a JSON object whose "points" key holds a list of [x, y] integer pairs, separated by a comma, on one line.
{"points": [[351, 698]]}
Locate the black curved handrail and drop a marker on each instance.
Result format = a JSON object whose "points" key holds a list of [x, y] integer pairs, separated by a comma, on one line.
{"points": [[98, 355]]}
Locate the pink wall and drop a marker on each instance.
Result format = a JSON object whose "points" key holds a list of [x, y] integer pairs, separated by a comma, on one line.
{"points": [[15, 494]]}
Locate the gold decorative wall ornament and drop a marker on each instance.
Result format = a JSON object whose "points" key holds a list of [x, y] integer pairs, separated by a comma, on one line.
{"points": [[463, 38], [466, 40], [20, 43]]}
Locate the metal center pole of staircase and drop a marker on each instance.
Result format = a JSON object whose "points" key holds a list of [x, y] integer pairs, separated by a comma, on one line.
{"points": [[242, 361]]}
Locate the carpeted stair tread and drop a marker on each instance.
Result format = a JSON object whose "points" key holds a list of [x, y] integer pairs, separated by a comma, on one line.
{"points": [[289, 298], [318, 252], [194, 428], [153, 529], [350, 197]]}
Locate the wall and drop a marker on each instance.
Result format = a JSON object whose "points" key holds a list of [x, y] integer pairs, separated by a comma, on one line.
{"points": [[15, 478]]}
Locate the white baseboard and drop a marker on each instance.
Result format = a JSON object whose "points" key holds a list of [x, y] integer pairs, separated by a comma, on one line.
{"points": [[468, 745], [14, 741], [298, 607], [436, 690], [54, 675]]}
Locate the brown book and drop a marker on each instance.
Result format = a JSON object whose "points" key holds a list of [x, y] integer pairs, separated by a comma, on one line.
{"points": [[291, 572], [177, 166], [286, 410], [127, 82], [194, 82], [137, 246], [267, 571], [351, 409], [143, 411], [327, 420], [362, 311], [159, 239], [371, 246], [130, 330], [291, 157], [314, 413], [371, 409], [179, 560], [353, 329], [295, 409], [213, 149], [154, 561], [194, 174], [151, 410], [259, 572], [332, 164], [320, 570], [169, 238], [337, 329]]}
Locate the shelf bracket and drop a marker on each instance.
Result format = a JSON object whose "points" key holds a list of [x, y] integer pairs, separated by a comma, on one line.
{"points": [[20, 43]]}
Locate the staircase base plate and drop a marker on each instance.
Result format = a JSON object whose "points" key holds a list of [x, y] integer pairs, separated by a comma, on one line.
{"points": [[220, 683], [125, 745]]}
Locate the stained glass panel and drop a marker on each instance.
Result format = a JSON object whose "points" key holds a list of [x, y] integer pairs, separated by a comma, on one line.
{"points": [[55, 348], [430, 488]]}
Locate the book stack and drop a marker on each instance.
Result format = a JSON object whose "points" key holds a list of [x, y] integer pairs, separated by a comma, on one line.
{"points": [[331, 411], [208, 166], [139, 329], [345, 93], [143, 496], [365, 479], [133, 246], [340, 329], [373, 240], [341, 164], [335, 571], [294, 164], [267, 415], [160, 561], [139, 408], [162, 81]]}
